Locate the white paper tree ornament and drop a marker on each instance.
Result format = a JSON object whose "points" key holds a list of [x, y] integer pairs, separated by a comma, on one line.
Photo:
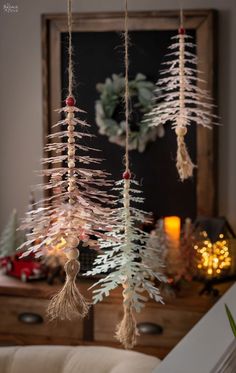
{"points": [[184, 103], [77, 211], [126, 256]]}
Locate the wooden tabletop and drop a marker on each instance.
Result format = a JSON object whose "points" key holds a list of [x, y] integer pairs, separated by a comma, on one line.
{"points": [[35, 288], [187, 298]]}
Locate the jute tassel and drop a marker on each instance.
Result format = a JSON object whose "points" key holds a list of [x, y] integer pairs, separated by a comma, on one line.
{"points": [[69, 303], [126, 331], [184, 163]]}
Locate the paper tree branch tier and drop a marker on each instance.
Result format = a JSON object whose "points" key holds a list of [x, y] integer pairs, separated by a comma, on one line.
{"points": [[184, 102], [75, 212]]}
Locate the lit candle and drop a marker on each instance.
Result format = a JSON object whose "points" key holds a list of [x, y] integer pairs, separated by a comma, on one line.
{"points": [[172, 229]]}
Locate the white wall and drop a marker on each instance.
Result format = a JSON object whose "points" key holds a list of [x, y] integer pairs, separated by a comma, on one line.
{"points": [[21, 93], [204, 346]]}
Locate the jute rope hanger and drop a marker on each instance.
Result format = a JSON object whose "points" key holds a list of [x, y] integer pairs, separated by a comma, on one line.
{"points": [[70, 63], [126, 35]]}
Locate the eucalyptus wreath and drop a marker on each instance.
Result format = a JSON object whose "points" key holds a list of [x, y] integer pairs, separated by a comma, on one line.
{"points": [[110, 113]]}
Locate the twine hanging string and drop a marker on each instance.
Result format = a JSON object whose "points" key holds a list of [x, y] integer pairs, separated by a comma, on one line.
{"points": [[69, 303], [126, 37], [70, 116], [70, 63], [126, 331], [181, 17]]}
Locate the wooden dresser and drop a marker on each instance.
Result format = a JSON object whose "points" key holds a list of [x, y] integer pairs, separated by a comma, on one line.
{"points": [[23, 318]]}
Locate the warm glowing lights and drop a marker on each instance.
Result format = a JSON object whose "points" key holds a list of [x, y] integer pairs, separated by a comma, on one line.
{"points": [[213, 258]]}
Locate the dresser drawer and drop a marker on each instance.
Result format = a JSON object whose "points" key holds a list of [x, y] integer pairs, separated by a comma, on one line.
{"points": [[27, 316], [159, 326]]}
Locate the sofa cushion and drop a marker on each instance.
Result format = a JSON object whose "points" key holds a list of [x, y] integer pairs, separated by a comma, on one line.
{"points": [[66, 359]]}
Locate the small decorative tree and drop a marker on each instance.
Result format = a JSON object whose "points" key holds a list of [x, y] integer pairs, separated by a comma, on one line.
{"points": [[158, 245], [11, 238], [184, 102], [127, 256], [77, 211]]}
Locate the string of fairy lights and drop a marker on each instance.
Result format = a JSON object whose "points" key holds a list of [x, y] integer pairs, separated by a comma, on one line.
{"points": [[212, 257]]}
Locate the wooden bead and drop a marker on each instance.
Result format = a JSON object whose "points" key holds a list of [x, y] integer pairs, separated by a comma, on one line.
{"points": [[72, 241], [71, 128], [71, 164], [71, 152], [72, 254], [180, 131], [70, 101], [70, 115], [71, 140]]}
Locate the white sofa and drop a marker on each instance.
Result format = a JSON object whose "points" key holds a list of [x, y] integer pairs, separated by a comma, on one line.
{"points": [[67, 359]]}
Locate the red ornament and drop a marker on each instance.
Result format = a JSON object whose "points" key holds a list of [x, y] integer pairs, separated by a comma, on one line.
{"points": [[70, 101], [127, 175], [181, 31]]}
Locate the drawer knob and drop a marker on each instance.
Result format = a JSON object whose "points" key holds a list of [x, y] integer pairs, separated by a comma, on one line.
{"points": [[149, 328], [30, 318]]}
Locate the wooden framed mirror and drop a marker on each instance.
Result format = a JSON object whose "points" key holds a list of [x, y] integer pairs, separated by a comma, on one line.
{"points": [[98, 54]]}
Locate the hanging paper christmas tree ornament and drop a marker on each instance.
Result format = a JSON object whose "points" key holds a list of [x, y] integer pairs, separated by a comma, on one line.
{"points": [[11, 238], [74, 213], [184, 102], [126, 258]]}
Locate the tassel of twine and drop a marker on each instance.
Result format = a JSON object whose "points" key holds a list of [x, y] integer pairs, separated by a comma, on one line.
{"points": [[184, 163], [126, 331], [69, 303]]}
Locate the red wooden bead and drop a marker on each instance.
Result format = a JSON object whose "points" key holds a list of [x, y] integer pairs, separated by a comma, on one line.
{"points": [[70, 101], [181, 31], [127, 175]]}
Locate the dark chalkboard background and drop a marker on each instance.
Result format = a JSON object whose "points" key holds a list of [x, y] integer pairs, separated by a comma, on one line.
{"points": [[97, 55]]}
